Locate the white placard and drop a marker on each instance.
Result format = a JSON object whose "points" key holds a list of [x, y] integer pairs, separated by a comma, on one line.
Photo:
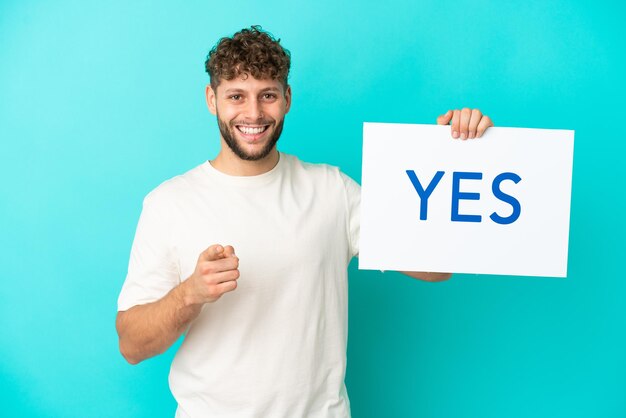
{"points": [[500, 204]]}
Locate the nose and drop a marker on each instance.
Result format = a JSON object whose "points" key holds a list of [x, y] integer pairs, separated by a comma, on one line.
{"points": [[253, 110]]}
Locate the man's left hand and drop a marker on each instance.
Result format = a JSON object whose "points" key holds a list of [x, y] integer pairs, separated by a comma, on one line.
{"points": [[466, 123]]}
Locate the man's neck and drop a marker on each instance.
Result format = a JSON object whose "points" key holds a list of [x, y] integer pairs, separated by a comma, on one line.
{"points": [[229, 163]]}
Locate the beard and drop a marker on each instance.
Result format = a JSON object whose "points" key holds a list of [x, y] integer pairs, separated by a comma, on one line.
{"points": [[227, 131]]}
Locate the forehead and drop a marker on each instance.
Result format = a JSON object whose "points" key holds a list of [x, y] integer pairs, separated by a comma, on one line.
{"points": [[245, 82]]}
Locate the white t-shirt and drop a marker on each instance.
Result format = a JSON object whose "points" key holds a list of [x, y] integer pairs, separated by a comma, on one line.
{"points": [[276, 346]]}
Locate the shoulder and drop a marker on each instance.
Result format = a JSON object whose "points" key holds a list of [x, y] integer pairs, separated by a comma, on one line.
{"points": [[174, 188], [317, 171], [326, 181]]}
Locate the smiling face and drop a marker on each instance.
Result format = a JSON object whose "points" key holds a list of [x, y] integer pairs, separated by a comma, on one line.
{"points": [[250, 114]]}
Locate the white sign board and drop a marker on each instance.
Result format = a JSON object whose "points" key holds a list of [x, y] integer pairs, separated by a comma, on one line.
{"points": [[499, 204]]}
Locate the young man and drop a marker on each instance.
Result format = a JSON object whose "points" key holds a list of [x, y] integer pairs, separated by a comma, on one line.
{"points": [[274, 233]]}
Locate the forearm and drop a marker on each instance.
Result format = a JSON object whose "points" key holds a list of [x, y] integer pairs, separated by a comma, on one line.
{"points": [[428, 277], [147, 330]]}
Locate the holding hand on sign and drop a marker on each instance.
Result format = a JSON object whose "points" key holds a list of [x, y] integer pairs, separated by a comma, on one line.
{"points": [[466, 123]]}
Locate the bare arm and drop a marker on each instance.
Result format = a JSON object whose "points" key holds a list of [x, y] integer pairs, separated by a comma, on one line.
{"points": [[147, 330], [428, 277]]}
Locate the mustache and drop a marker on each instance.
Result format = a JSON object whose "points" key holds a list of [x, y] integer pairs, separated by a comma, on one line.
{"points": [[252, 123]]}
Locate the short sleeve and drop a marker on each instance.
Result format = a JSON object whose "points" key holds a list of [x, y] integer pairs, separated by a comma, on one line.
{"points": [[152, 268], [353, 207]]}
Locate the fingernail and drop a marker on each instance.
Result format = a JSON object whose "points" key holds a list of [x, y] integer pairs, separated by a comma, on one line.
{"points": [[462, 136], [455, 134]]}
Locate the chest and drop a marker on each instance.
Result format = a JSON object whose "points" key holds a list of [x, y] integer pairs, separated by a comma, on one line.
{"points": [[275, 232]]}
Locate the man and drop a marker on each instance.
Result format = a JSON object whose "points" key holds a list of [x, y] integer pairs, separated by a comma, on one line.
{"points": [[274, 233]]}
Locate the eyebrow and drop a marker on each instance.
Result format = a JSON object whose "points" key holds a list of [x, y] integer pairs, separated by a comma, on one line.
{"points": [[233, 90], [238, 90]]}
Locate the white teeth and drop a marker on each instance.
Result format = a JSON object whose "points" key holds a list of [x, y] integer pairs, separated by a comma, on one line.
{"points": [[251, 131]]}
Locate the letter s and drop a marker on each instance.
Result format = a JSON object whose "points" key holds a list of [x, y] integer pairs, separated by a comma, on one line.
{"points": [[500, 195]]}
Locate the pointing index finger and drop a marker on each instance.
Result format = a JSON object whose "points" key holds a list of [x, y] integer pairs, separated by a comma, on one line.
{"points": [[214, 252], [229, 251]]}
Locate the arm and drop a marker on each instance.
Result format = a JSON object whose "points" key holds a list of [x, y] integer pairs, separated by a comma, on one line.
{"points": [[428, 277], [147, 330]]}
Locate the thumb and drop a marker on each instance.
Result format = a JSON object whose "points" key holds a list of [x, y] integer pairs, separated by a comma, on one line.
{"points": [[214, 252], [445, 118]]}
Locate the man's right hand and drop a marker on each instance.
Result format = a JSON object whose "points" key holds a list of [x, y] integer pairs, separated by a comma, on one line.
{"points": [[216, 273], [151, 328]]}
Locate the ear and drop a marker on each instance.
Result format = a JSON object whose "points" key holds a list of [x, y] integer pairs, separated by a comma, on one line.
{"points": [[211, 99], [288, 99]]}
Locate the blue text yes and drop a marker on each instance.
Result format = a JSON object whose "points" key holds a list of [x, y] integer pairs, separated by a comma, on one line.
{"points": [[457, 195]]}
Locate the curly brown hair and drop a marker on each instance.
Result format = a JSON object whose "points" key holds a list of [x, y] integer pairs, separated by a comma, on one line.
{"points": [[250, 51]]}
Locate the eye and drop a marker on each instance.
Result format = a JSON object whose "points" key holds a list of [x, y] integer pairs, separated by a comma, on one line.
{"points": [[269, 96], [235, 97]]}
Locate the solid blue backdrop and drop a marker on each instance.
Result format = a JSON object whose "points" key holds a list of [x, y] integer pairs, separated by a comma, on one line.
{"points": [[101, 101]]}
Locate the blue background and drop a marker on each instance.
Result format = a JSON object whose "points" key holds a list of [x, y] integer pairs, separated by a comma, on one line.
{"points": [[101, 101]]}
